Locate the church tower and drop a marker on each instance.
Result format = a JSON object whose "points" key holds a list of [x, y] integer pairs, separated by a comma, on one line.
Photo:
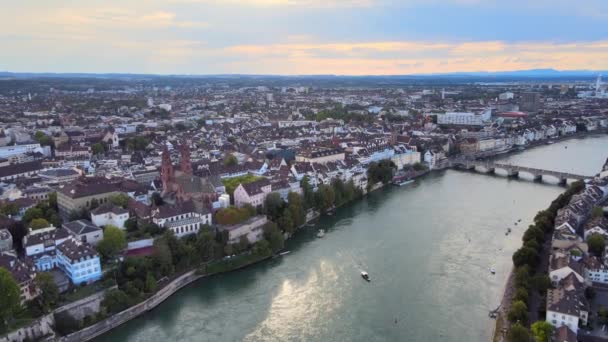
{"points": [[166, 169], [185, 163]]}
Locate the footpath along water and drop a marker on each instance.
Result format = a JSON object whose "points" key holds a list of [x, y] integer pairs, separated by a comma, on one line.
{"points": [[427, 247]]}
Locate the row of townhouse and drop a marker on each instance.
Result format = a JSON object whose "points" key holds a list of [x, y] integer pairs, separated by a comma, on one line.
{"points": [[571, 268], [530, 135]]}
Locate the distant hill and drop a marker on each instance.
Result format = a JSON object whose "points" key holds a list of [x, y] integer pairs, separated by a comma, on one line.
{"points": [[532, 73]]}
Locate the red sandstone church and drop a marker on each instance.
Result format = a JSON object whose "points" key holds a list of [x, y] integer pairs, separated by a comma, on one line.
{"points": [[181, 185]]}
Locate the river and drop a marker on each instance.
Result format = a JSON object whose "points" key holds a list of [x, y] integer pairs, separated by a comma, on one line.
{"points": [[427, 247]]}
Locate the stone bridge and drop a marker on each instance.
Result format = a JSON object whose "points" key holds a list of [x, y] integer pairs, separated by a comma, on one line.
{"points": [[484, 166]]}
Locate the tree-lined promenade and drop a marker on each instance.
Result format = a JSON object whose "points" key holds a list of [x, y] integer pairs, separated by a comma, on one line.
{"points": [[529, 282]]}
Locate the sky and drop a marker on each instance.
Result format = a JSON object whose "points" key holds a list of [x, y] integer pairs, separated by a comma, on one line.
{"points": [[302, 37]]}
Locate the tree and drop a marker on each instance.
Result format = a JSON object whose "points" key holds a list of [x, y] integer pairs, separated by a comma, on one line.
{"points": [[273, 205], [542, 331], [113, 242], [285, 222], [10, 301], [309, 194], [131, 224], [206, 245], [521, 294], [262, 248], [9, 209], [157, 199], [230, 160], [98, 148], [596, 244], [296, 209], [32, 213], [597, 211], [163, 257], [525, 256], [115, 301], [518, 312], [518, 333], [119, 200], [541, 283], [49, 293], [274, 237], [534, 233], [522, 277], [150, 283], [43, 139], [39, 223]]}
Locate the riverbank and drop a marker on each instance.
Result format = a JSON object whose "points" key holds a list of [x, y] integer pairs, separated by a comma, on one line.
{"points": [[208, 270]]}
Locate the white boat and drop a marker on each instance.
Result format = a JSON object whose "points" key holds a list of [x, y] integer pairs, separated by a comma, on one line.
{"points": [[321, 233], [405, 182], [365, 276], [492, 270], [284, 253]]}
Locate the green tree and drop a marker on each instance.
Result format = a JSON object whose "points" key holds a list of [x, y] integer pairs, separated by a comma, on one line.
{"points": [[206, 245], [521, 294], [9, 209], [309, 194], [163, 257], [114, 241], [522, 277], [273, 205], [43, 139], [230, 160], [98, 148], [115, 301], [10, 301], [119, 200], [39, 223], [518, 333], [596, 244], [32, 213], [525, 256], [597, 211], [53, 200], [541, 283], [131, 224], [285, 222], [150, 283], [49, 293], [542, 331], [274, 237], [296, 209], [534, 233], [262, 248], [518, 312]]}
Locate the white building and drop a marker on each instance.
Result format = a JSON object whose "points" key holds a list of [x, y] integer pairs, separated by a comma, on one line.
{"points": [[404, 156], [109, 214], [464, 118], [85, 231], [181, 220], [252, 229]]}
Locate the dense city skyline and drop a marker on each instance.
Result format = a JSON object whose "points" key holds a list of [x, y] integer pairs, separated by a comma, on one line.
{"points": [[289, 37]]}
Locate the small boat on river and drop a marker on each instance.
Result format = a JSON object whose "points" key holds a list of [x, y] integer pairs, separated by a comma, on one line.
{"points": [[365, 276], [321, 233]]}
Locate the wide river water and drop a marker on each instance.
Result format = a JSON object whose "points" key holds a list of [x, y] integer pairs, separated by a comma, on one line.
{"points": [[427, 246]]}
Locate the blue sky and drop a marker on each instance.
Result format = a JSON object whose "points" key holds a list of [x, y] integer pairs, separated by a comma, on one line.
{"points": [[356, 37]]}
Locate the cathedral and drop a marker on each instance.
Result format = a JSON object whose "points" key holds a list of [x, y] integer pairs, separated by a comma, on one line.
{"points": [[181, 185]]}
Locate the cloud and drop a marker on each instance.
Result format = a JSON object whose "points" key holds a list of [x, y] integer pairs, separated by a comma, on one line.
{"points": [[406, 57]]}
